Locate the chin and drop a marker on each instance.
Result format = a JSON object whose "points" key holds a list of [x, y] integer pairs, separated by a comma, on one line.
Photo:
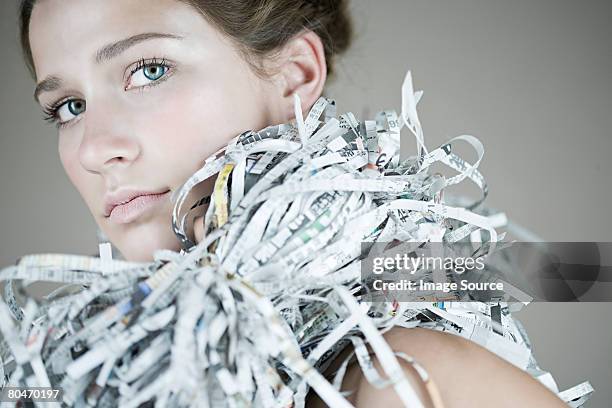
{"points": [[138, 243]]}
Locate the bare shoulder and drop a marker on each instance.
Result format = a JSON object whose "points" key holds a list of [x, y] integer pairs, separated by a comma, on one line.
{"points": [[464, 373]]}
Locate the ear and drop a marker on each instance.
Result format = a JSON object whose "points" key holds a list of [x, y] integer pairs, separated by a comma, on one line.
{"points": [[302, 69]]}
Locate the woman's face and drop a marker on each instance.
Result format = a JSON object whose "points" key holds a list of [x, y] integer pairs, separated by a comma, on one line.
{"points": [[144, 91]]}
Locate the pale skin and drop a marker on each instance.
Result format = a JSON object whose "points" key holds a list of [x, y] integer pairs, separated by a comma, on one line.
{"points": [[124, 129]]}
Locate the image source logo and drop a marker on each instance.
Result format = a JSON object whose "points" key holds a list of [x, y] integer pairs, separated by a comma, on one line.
{"points": [[525, 272]]}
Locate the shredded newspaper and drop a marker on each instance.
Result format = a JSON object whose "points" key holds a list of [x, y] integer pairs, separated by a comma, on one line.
{"points": [[254, 313]]}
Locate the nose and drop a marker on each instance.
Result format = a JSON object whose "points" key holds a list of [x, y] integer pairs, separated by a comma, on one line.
{"points": [[107, 142]]}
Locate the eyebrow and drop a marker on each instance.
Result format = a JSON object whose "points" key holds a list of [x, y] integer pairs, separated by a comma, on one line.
{"points": [[51, 83]]}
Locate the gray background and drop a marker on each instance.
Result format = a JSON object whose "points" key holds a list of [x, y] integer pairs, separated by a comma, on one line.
{"points": [[531, 79]]}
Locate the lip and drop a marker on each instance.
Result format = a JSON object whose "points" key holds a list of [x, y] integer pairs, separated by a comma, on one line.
{"points": [[126, 206]]}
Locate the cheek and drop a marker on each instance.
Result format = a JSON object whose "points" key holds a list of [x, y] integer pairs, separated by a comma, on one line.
{"points": [[68, 148], [194, 123]]}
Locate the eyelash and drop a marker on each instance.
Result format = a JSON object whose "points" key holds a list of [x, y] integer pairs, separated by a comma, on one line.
{"points": [[51, 113], [51, 110]]}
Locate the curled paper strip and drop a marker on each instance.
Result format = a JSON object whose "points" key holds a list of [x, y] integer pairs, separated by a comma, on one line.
{"points": [[256, 311]]}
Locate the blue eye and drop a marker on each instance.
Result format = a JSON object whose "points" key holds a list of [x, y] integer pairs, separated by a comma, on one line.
{"points": [[62, 113], [146, 73], [76, 106], [154, 72]]}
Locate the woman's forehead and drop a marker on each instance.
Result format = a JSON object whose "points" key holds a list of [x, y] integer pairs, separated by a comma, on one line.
{"points": [[72, 32]]}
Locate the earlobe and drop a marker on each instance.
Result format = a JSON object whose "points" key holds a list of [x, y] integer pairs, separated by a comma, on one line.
{"points": [[304, 71]]}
